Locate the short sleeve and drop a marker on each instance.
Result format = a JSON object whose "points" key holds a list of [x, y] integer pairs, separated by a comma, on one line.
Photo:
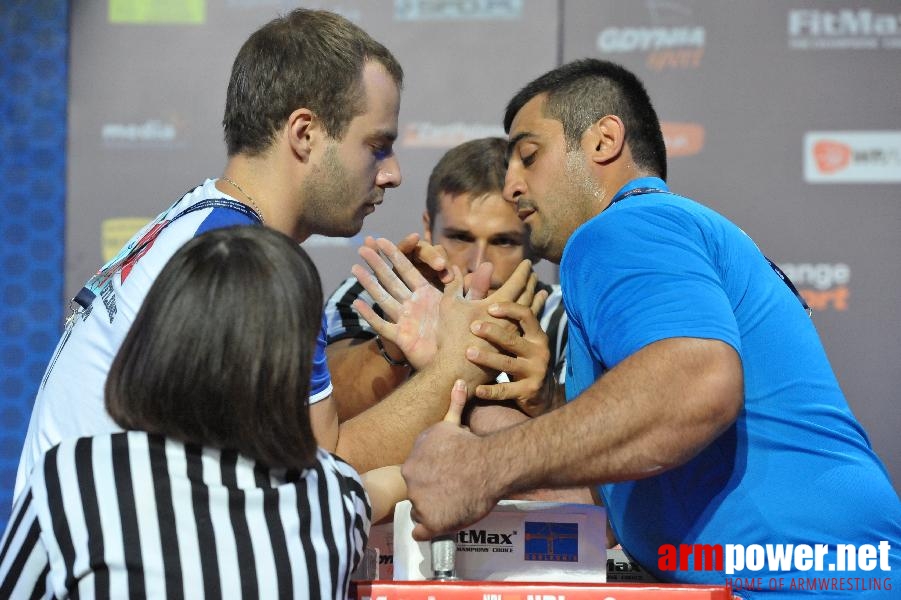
{"points": [[320, 379], [640, 274]]}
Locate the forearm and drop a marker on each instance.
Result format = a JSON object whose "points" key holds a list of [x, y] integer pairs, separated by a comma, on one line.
{"points": [[384, 434], [653, 412], [361, 376], [385, 487], [488, 418]]}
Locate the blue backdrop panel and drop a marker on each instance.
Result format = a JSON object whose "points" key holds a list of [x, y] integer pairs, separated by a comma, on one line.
{"points": [[33, 125]]}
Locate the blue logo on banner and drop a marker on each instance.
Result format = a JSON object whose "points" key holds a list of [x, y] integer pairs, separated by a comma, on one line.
{"points": [[557, 542]]}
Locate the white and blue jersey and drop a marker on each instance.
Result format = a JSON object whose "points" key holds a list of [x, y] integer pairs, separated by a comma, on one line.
{"points": [[69, 402]]}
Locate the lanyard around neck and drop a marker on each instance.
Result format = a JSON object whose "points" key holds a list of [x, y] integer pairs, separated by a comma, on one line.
{"points": [[779, 272]]}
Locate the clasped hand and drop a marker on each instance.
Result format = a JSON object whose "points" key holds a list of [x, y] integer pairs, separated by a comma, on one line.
{"points": [[419, 314]]}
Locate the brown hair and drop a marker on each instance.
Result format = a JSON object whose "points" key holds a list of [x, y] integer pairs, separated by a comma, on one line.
{"points": [[307, 58], [221, 351], [476, 167]]}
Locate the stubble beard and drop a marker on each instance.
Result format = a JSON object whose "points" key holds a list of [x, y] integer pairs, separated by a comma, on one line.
{"points": [[327, 196]]}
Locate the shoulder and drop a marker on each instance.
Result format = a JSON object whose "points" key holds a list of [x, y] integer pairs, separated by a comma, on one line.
{"points": [[206, 208]]}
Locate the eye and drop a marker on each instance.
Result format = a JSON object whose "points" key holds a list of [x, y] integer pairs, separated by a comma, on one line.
{"points": [[528, 159], [507, 242], [459, 237], [382, 151]]}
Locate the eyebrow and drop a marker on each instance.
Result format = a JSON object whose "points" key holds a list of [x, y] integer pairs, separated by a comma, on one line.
{"points": [[384, 134], [511, 145], [512, 233]]}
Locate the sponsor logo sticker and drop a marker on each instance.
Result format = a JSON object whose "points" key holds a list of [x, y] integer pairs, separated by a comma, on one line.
{"points": [[843, 28], [683, 139], [446, 135], [852, 157], [670, 40], [153, 12], [556, 542], [456, 10], [824, 286], [152, 133]]}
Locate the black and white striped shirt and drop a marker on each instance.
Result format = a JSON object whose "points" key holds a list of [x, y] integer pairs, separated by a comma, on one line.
{"points": [[343, 321], [133, 515]]}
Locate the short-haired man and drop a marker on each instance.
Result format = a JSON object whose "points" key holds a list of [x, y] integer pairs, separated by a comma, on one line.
{"points": [[468, 218], [700, 398], [310, 121]]}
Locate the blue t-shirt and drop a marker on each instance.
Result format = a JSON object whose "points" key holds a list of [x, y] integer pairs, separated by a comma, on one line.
{"points": [[796, 467]]}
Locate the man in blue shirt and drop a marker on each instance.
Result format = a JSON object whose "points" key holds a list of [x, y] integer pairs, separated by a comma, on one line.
{"points": [[700, 398]]}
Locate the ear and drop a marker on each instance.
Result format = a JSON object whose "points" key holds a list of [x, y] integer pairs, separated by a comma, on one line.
{"points": [[605, 139], [302, 129], [426, 227]]}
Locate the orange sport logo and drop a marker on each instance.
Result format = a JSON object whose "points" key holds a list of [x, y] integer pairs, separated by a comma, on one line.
{"points": [[831, 156], [682, 139]]}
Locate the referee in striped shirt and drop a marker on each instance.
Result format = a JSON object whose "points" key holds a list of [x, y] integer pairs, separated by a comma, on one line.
{"points": [[216, 488]]}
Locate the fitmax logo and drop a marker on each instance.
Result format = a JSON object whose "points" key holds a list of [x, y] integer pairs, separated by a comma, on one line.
{"points": [[482, 536], [841, 23], [843, 29]]}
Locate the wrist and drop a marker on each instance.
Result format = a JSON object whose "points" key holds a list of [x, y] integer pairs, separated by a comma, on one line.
{"points": [[384, 351]]}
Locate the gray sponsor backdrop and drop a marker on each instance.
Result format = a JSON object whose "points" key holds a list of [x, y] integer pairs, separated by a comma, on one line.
{"points": [[783, 115]]}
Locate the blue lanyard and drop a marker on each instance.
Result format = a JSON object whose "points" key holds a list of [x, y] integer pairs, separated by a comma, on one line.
{"points": [[652, 190], [93, 286], [637, 192]]}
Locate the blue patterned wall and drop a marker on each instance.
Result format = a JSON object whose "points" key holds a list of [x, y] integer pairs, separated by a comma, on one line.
{"points": [[33, 124]]}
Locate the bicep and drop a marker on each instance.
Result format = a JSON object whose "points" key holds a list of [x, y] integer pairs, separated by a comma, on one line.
{"points": [[324, 421], [653, 283]]}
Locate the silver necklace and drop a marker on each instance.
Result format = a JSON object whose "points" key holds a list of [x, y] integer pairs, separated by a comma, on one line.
{"points": [[253, 203]]}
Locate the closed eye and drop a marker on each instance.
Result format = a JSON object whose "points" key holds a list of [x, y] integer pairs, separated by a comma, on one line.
{"points": [[506, 242], [459, 237], [382, 152]]}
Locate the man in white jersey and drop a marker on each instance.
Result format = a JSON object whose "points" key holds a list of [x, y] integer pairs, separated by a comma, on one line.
{"points": [[310, 121]]}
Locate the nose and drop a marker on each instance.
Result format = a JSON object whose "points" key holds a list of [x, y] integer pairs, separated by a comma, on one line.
{"points": [[389, 173], [477, 254], [514, 186]]}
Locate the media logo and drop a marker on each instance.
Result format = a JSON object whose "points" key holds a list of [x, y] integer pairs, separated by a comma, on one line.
{"points": [[861, 29], [824, 286], [682, 139], [446, 135], [852, 157], [149, 134], [671, 41], [556, 542], [456, 10]]}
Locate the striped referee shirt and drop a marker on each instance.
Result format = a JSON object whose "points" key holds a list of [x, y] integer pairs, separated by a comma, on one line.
{"points": [[343, 321], [135, 515]]}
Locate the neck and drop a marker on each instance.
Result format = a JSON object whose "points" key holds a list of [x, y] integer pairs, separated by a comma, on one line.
{"points": [[266, 189], [617, 178]]}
